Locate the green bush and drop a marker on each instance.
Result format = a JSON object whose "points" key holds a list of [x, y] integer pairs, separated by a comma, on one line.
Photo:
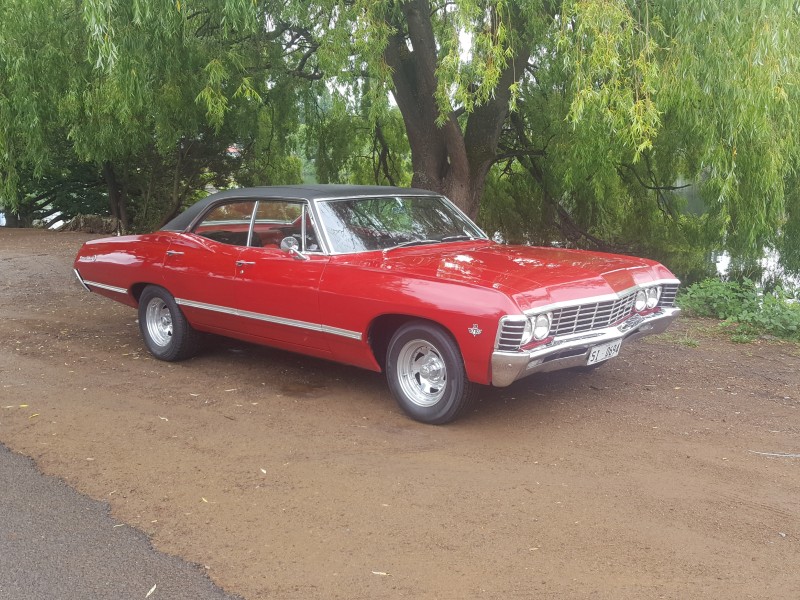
{"points": [[719, 299], [746, 307]]}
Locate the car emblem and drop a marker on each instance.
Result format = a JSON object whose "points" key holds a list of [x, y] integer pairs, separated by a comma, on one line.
{"points": [[475, 330]]}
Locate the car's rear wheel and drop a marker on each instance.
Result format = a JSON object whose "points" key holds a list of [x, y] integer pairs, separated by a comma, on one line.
{"points": [[165, 330], [426, 373]]}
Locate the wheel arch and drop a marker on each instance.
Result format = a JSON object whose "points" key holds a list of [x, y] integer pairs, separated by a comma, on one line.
{"points": [[383, 327], [137, 288]]}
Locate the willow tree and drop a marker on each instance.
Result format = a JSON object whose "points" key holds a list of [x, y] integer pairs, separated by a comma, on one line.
{"points": [[596, 109], [591, 111], [160, 98]]}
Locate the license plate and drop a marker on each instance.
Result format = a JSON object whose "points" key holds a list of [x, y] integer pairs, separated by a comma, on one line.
{"points": [[603, 352]]}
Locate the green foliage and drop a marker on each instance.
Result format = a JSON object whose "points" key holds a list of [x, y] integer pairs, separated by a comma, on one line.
{"points": [[720, 299], [613, 102], [745, 308], [156, 100]]}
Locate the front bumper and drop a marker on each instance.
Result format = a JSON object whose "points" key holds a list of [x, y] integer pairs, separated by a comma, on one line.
{"points": [[573, 351]]}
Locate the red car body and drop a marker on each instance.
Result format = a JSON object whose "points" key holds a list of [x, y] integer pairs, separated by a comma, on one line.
{"points": [[347, 305]]}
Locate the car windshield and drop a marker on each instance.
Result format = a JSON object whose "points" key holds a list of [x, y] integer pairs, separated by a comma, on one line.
{"points": [[383, 223]]}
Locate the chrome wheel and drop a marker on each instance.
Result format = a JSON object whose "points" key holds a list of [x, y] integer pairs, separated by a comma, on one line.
{"points": [[426, 373], [165, 330], [422, 373], [158, 320]]}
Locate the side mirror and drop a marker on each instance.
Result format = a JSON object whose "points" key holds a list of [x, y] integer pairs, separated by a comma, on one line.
{"points": [[290, 245]]}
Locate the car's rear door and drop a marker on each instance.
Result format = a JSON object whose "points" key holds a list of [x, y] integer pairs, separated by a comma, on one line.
{"points": [[200, 266]]}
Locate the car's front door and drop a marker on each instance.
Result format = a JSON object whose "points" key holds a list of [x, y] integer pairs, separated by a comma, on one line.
{"points": [[278, 291]]}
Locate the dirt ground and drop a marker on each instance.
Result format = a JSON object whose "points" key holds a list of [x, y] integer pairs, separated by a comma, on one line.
{"points": [[671, 472]]}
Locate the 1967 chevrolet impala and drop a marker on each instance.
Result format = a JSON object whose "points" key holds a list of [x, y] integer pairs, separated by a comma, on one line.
{"points": [[388, 279]]}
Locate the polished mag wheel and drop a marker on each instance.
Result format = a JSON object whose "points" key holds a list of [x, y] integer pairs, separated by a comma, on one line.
{"points": [[158, 321], [422, 373], [426, 374], [165, 330]]}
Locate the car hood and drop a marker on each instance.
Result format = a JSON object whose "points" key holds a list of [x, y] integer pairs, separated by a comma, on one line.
{"points": [[533, 276]]}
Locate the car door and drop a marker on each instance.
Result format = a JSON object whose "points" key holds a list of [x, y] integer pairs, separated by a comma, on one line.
{"points": [[200, 266], [278, 290]]}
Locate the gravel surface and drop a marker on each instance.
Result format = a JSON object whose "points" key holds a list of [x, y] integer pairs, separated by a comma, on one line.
{"points": [[670, 472]]}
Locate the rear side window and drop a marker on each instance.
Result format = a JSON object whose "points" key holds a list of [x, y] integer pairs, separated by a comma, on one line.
{"points": [[228, 223]]}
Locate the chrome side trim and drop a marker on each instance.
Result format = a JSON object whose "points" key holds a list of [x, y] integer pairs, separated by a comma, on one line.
{"points": [[105, 286], [596, 299], [80, 280], [353, 335]]}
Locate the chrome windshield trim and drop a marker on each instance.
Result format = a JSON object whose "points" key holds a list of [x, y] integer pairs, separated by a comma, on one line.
{"points": [[596, 299], [104, 286], [353, 335], [324, 229]]}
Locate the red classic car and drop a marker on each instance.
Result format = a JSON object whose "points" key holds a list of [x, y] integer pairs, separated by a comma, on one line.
{"points": [[388, 279]]}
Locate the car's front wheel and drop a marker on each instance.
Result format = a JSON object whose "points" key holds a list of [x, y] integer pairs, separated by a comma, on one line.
{"points": [[426, 373], [165, 330]]}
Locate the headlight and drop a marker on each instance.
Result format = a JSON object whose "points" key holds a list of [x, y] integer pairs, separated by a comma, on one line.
{"points": [[641, 301], [527, 333], [653, 295], [541, 326]]}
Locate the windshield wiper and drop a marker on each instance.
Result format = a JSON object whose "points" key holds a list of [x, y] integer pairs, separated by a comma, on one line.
{"points": [[458, 238], [412, 243]]}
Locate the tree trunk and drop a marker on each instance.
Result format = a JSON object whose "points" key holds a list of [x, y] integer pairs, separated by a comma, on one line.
{"points": [[444, 158], [116, 196], [12, 220]]}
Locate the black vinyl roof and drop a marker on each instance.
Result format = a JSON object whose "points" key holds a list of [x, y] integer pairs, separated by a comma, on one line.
{"points": [[309, 192]]}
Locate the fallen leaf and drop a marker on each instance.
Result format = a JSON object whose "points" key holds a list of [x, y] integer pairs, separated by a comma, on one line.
{"points": [[34, 415], [204, 500], [152, 589]]}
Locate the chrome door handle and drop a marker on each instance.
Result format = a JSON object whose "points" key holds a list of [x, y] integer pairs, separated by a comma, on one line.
{"points": [[174, 253], [241, 263]]}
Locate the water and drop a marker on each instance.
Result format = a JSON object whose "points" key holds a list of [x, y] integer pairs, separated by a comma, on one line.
{"points": [[770, 264]]}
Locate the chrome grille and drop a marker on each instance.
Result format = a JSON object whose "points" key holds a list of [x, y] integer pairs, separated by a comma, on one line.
{"points": [[668, 293], [580, 318], [585, 317], [510, 337]]}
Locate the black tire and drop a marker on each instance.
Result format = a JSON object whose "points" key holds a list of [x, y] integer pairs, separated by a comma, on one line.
{"points": [[426, 373], [165, 330]]}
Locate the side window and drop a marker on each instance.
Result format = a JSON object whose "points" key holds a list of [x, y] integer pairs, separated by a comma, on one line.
{"points": [[229, 223], [278, 219]]}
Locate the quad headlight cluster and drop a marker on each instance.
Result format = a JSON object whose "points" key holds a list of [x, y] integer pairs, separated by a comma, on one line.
{"points": [[647, 298], [537, 328]]}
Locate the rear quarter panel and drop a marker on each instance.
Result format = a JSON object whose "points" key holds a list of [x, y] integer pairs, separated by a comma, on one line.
{"points": [[121, 262]]}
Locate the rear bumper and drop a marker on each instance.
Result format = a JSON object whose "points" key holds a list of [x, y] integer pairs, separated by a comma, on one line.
{"points": [[573, 351]]}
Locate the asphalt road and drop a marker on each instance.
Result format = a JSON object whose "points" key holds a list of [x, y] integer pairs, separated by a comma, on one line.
{"points": [[58, 544]]}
